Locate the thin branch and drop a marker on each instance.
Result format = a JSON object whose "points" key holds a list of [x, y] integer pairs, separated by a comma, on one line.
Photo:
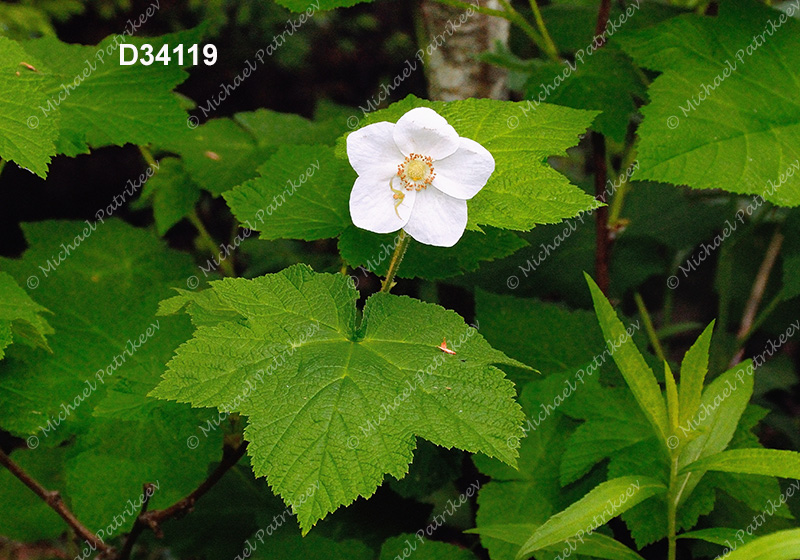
{"points": [[552, 50], [53, 499], [154, 519], [603, 243], [138, 526], [602, 19], [210, 244], [757, 294], [524, 24]]}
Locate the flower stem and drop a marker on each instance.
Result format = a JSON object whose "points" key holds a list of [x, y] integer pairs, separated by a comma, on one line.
{"points": [[397, 258]]}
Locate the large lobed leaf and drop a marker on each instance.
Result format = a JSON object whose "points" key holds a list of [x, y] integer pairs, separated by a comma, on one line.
{"points": [[725, 112], [103, 297], [24, 138], [334, 403]]}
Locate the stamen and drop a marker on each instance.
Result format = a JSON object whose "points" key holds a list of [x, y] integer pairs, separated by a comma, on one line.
{"points": [[416, 172]]}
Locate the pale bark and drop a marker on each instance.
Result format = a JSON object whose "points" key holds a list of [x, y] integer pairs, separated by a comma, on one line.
{"points": [[455, 38]]}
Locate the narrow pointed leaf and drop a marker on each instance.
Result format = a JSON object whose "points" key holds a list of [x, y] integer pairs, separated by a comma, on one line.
{"points": [[606, 501], [712, 428], [769, 462], [783, 545], [693, 373], [716, 535], [672, 398], [631, 363]]}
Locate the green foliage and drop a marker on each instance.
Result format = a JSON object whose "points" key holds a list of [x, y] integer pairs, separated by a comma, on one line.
{"points": [[581, 517], [631, 363], [20, 316], [364, 391], [372, 251], [93, 111], [311, 6], [300, 194], [366, 413], [172, 194], [109, 350], [24, 138], [777, 546], [606, 82], [724, 89], [771, 462]]}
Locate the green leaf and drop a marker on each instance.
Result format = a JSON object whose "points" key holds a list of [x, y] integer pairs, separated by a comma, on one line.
{"points": [[673, 216], [672, 398], [711, 429], [524, 190], [406, 545], [782, 545], [21, 22], [334, 403], [171, 192], [598, 545], [693, 374], [301, 194], [722, 91], [791, 276], [115, 457], [595, 545], [108, 351], [284, 546], [549, 337], [769, 462], [717, 535], [20, 316], [526, 497], [101, 103], [103, 295], [223, 153], [606, 81], [26, 137], [631, 363], [613, 424], [310, 6], [607, 500]]}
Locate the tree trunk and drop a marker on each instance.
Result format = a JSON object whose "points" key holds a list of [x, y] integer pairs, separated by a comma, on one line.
{"points": [[456, 37]]}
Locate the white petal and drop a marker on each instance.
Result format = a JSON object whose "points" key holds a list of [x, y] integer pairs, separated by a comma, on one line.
{"points": [[424, 131], [372, 150], [372, 207], [464, 173], [437, 219]]}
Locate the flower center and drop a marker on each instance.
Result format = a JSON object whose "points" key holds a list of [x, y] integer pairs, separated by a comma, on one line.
{"points": [[416, 172]]}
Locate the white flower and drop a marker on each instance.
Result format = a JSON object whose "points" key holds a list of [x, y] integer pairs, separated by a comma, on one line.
{"points": [[417, 175]]}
